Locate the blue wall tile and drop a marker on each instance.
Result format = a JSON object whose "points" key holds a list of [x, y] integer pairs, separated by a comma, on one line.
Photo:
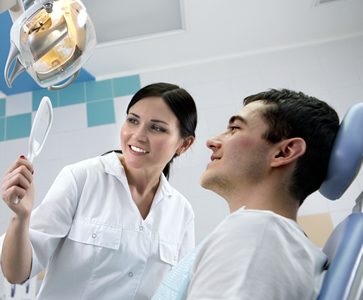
{"points": [[124, 86], [100, 112], [97, 90], [72, 95], [2, 129], [2, 107], [18, 126], [96, 95], [39, 94]]}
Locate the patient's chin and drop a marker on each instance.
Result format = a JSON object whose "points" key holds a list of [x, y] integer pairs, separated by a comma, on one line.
{"points": [[212, 182], [204, 179]]}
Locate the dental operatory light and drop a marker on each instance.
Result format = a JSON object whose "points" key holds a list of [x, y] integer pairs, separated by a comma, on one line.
{"points": [[50, 39]]}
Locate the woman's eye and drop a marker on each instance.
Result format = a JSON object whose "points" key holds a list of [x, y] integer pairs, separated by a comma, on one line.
{"points": [[132, 120], [157, 128]]}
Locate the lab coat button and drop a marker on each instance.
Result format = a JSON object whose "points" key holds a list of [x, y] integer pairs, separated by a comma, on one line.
{"points": [[141, 228], [94, 235], [131, 274]]}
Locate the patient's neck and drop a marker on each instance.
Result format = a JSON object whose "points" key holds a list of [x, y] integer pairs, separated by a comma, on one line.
{"points": [[277, 201]]}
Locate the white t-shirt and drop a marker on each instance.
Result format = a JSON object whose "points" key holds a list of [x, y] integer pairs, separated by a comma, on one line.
{"points": [[252, 254], [89, 235]]}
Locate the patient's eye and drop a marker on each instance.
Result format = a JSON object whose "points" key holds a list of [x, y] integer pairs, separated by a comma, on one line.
{"points": [[233, 128]]}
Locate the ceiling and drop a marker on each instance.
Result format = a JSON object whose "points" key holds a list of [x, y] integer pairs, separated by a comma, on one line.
{"points": [[212, 29], [130, 19], [140, 35]]}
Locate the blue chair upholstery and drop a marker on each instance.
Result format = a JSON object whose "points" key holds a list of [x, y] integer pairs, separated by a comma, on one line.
{"points": [[346, 156], [344, 248]]}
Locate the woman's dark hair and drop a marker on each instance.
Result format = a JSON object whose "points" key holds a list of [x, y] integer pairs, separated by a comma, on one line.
{"points": [[179, 101]]}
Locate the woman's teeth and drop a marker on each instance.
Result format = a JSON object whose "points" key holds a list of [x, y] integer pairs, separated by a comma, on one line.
{"points": [[136, 149]]}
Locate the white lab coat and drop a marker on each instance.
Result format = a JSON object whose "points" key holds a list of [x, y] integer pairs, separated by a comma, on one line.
{"points": [[89, 235]]}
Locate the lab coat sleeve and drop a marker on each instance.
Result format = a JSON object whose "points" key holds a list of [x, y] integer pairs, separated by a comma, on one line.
{"points": [[247, 259], [188, 239], [51, 220]]}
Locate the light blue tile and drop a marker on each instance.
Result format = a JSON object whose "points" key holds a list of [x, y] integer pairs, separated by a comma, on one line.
{"points": [[2, 107], [2, 129], [98, 90], [124, 86], [72, 95], [100, 113], [18, 126], [37, 96]]}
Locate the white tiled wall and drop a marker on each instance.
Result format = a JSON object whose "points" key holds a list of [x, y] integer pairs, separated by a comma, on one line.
{"points": [[331, 71], [18, 104]]}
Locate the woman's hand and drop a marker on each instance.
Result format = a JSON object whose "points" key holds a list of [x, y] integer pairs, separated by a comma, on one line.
{"points": [[18, 182]]}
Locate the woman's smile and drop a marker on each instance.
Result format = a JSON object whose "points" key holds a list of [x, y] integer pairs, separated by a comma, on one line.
{"points": [[137, 149]]}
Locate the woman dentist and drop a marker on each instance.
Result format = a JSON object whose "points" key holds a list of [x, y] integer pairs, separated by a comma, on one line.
{"points": [[111, 226]]}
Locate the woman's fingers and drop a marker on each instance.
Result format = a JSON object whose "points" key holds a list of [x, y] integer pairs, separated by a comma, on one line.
{"points": [[12, 193], [21, 177], [21, 161], [17, 180]]}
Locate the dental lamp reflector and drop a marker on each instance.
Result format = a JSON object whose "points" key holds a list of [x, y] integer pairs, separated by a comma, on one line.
{"points": [[51, 40]]}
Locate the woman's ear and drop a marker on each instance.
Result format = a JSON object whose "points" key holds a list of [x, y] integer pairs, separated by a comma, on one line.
{"points": [[288, 151], [187, 142]]}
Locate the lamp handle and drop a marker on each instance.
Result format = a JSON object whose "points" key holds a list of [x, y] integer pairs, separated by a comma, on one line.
{"points": [[66, 83]]}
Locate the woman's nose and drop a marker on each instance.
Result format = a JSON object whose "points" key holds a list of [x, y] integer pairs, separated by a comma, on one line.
{"points": [[141, 133]]}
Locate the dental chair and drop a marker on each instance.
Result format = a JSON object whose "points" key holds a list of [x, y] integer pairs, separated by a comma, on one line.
{"points": [[344, 248]]}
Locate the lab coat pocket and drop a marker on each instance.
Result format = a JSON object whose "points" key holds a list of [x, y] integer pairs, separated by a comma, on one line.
{"points": [[168, 252], [93, 233]]}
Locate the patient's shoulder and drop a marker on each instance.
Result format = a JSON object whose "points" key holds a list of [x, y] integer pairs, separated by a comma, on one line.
{"points": [[259, 221]]}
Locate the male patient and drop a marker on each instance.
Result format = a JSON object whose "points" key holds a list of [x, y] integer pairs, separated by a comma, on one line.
{"points": [[274, 154]]}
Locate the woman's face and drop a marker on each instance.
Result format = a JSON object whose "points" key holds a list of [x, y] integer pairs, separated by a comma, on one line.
{"points": [[150, 135]]}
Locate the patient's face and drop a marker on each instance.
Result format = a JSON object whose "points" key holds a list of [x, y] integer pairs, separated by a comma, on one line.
{"points": [[240, 154]]}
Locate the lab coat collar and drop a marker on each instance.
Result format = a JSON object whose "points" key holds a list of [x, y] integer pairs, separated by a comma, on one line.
{"points": [[113, 167]]}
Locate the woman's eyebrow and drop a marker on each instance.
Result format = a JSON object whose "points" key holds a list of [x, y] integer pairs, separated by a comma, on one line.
{"points": [[159, 121], [135, 115], [152, 120]]}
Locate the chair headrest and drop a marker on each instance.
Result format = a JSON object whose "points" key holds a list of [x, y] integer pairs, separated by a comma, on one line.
{"points": [[347, 153]]}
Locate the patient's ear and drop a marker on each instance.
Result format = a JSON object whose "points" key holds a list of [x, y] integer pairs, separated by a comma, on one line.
{"points": [[288, 151]]}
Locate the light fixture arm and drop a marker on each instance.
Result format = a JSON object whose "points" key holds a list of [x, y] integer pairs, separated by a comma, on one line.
{"points": [[15, 8]]}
